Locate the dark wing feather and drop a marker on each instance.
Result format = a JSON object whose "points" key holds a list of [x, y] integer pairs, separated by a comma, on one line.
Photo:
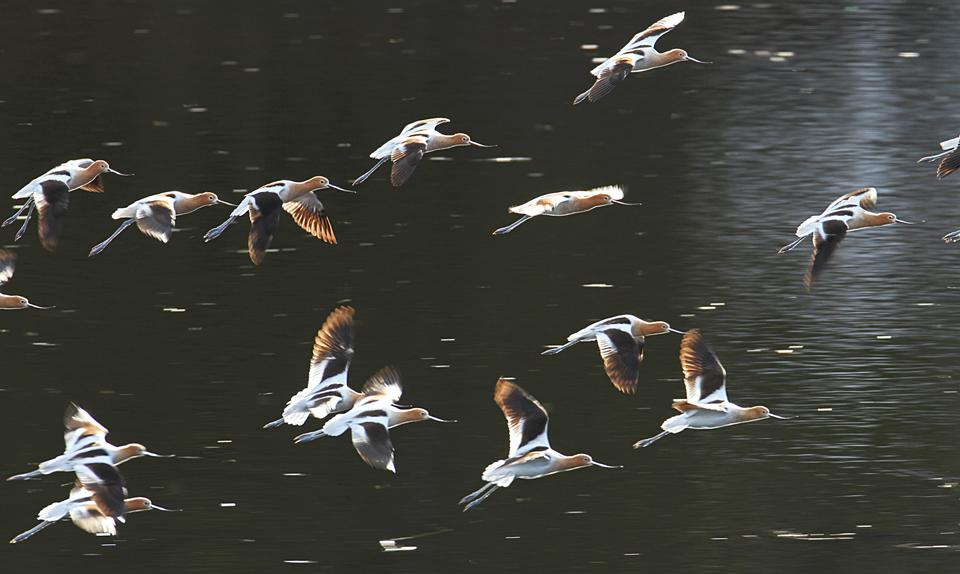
{"points": [[823, 247], [609, 79], [95, 186], [703, 375], [54, 199], [405, 159], [107, 485], [334, 344], [526, 418], [264, 221], [372, 441], [949, 164], [621, 354], [156, 219]]}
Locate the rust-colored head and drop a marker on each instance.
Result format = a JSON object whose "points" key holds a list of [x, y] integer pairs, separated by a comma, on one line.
{"points": [[415, 415], [318, 182], [140, 504], [99, 166], [208, 198], [678, 55], [13, 302], [759, 413], [579, 461], [128, 451], [654, 328]]}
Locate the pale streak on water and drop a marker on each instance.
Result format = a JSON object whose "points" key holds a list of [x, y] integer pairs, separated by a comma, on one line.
{"points": [[805, 101]]}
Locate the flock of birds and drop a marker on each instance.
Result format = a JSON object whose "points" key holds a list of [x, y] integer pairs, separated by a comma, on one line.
{"points": [[98, 499]]}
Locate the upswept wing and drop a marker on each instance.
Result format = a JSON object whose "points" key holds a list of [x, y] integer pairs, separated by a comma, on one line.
{"points": [[526, 418], [703, 376]]}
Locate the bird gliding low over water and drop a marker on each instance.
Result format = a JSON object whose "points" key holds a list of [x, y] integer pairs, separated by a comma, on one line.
{"points": [[264, 206], [326, 392], [530, 453], [408, 148], [562, 203], [50, 195], [371, 418], [84, 439], [620, 340], [638, 55], [8, 262], [706, 405], [156, 215], [82, 509], [847, 213]]}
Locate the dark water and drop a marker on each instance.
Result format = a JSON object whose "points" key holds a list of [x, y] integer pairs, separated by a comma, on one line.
{"points": [[189, 349]]}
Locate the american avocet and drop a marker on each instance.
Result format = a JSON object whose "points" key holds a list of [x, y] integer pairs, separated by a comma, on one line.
{"points": [[86, 514], [156, 215], [371, 418], [326, 392], [49, 193], [561, 203], [530, 453], [7, 263], [639, 55], [949, 158], [86, 441], [847, 213], [264, 204], [621, 341], [706, 405], [407, 149]]}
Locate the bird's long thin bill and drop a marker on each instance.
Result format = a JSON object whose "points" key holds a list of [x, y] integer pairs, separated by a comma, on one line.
{"points": [[672, 330], [153, 454], [439, 420], [689, 59], [115, 172], [618, 202], [32, 306], [330, 185], [780, 417], [601, 465], [481, 145], [222, 202], [898, 220], [162, 509]]}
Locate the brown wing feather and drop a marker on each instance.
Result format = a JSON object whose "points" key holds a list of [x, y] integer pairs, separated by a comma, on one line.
{"points": [[621, 354], [823, 249], [703, 374], [95, 186], [309, 214], [949, 164], [609, 79], [52, 206], [405, 159], [156, 219], [262, 229]]}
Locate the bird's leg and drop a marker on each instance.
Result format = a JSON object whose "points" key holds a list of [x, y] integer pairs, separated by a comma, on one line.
{"points": [[512, 226], [103, 245], [12, 218], [650, 441], [26, 222], [216, 231]]}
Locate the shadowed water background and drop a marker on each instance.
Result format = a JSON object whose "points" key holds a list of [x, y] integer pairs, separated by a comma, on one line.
{"points": [[189, 349]]}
